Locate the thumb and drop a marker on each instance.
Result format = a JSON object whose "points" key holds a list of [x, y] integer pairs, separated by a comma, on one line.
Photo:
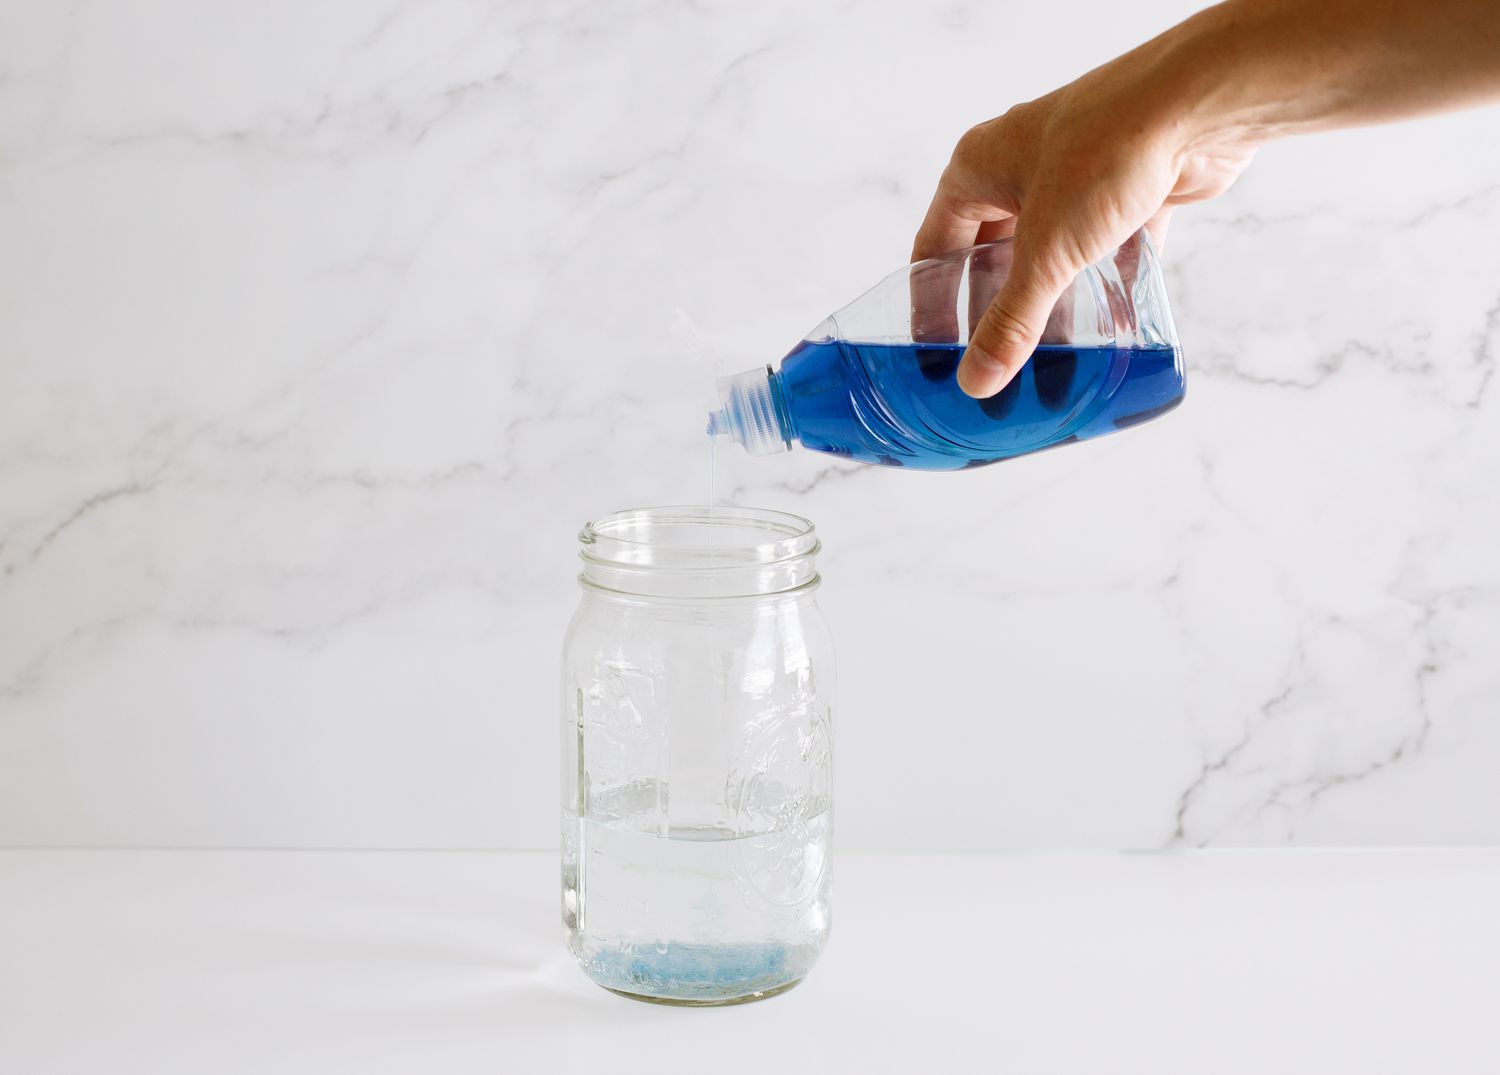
{"points": [[1008, 332]]}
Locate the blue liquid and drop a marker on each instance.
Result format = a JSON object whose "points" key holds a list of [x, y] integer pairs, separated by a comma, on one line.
{"points": [[700, 973], [900, 405]]}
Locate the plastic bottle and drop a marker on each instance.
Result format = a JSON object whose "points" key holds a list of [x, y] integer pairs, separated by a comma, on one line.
{"points": [[876, 381]]}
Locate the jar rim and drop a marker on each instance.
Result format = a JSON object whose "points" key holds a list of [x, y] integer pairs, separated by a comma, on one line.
{"points": [[623, 550]]}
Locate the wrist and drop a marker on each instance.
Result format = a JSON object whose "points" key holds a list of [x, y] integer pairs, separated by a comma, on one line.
{"points": [[1209, 71]]}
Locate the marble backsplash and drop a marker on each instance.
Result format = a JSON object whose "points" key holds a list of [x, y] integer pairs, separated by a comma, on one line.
{"points": [[324, 326]]}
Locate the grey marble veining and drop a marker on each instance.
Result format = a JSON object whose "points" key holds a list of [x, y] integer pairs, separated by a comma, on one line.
{"points": [[324, 327]]}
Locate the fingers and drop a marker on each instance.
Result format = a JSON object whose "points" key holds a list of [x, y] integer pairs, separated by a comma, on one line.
{"points": [[934, 288], [944, 228], [934, 301], [992, 230], [1158, 226], [1011, 327], [966, 195]]}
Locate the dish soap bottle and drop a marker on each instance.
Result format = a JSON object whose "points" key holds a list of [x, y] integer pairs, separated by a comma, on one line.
{"points": [[876, 381]]}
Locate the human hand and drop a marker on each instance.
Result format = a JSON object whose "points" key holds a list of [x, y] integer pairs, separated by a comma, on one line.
{"points": [[1072, 175]]}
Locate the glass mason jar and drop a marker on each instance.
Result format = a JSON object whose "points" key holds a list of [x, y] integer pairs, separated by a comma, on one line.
{"points": [[697, 811]]}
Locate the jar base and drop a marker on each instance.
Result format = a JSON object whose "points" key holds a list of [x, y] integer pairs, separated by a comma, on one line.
{"points": [[706, 1002]]}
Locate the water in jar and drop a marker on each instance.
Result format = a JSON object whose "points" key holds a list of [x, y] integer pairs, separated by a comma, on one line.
{"points": [[696, 913]]}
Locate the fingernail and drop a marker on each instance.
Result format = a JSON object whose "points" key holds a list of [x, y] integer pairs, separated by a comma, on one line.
{"points": [[981, 374]]}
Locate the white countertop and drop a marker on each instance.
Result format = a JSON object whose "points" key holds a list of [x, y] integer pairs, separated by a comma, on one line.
{"points": [[1217, 962]]}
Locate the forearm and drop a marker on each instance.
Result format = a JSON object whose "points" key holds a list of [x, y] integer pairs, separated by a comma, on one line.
{"points": [[1261, 69]]}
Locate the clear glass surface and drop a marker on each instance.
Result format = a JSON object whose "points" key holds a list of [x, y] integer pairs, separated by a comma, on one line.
{"points": [[697, 756]]}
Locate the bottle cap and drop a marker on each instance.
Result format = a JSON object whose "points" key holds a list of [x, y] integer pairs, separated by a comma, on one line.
{"points": [[748, 413]]}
